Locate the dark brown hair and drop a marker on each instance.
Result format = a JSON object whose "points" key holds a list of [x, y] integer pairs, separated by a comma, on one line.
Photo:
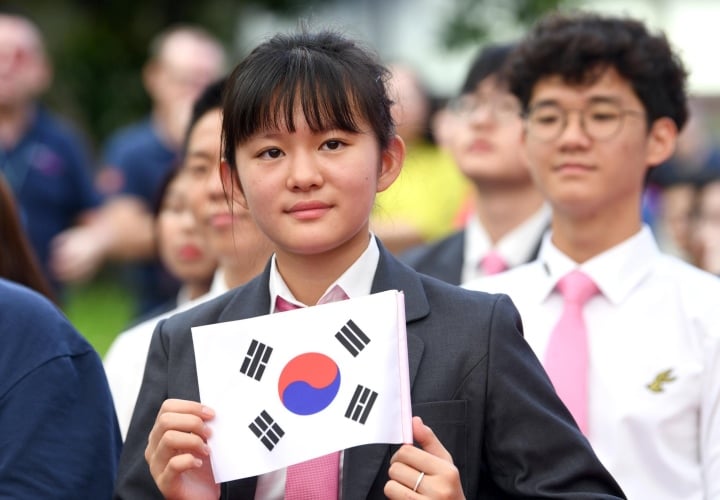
{"points": [[18, 262]]}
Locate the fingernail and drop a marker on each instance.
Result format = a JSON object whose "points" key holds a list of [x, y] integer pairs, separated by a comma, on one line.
{"points": [[197, 462], [207, 411]]}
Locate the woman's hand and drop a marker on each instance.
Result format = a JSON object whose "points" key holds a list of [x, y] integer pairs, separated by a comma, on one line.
{"points": [[423, 472], [178, 454]]}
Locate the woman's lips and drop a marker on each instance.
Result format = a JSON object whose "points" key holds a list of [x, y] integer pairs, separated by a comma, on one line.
{"points": [[309, 210]]}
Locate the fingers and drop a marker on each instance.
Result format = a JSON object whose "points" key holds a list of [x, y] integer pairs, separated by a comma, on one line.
{"points": [[178, 440], [441, 478], [425, 437]]}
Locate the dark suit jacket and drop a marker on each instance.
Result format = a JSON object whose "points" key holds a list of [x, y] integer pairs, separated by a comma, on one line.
{"points": [[444, 259], [474, 380]]}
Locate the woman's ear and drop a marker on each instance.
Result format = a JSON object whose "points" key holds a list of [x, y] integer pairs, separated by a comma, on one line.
{"points": [[661, 141], [392, 161], [231, 182]]}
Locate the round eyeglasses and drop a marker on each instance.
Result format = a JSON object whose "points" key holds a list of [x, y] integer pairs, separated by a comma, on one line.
{"points": [[504, 108], [599, 120]]}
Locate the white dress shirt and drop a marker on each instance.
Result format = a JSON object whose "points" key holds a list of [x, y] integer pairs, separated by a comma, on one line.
{"points": [[356, 281], [654, 380], [516, 247], [124, 362]]}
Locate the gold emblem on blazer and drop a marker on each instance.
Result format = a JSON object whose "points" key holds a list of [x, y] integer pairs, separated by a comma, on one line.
{"points": [[662, 378]]}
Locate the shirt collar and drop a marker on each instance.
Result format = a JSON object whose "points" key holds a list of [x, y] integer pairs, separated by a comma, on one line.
{"points": [[356, 281], [513, 246], [616, 271]]}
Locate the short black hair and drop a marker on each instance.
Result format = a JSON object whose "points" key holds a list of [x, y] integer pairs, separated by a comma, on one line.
{"points": [[209, 99], [489, 61], [580, 46]]}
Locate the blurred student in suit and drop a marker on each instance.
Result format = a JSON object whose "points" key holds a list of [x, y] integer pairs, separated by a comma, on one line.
{"points": [[182, 61], [44, 160], [423, 204], [239, 247], [59, 435], [629, 336], [510, 214]]}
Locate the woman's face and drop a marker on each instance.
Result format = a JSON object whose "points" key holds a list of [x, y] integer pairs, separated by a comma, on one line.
{"points": [[183, 249]]}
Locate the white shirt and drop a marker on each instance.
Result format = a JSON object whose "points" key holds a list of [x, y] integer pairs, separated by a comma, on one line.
{"points": [[124, 362], [655, 313], [356, 281], [516, 247]]}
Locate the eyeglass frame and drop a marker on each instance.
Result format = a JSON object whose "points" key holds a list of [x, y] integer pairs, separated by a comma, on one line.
{"points": [[491, 105], [565, 113]]}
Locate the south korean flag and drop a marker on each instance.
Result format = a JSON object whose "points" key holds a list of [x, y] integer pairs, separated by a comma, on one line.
{"points": [[296, 385]]}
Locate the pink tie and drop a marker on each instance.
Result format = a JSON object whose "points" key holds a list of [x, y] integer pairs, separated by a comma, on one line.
{"points": [[315, 479], [493, 263], [567, 357]]}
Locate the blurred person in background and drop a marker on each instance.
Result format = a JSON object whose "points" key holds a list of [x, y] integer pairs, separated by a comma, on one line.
{"points": [[44, 160], [705, 239], [671, 190], [509, 216], [18, 262], [229, 231], [181, 247], [182, 61], [422, 205]]}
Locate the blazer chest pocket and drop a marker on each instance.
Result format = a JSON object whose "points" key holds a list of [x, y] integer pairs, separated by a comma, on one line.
{"points": [[448, 421]]}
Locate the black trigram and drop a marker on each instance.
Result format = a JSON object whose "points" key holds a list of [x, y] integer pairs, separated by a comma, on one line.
{"points": [[256, 360], [352, 337], [361, 404], [266, 430]]}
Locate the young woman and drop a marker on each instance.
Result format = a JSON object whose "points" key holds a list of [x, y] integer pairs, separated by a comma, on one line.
{"points": [[181, 245], [309, 141]]}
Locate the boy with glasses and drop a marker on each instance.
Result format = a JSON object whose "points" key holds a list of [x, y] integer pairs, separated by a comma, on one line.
{"points": [[630, 337], [510, 214]]}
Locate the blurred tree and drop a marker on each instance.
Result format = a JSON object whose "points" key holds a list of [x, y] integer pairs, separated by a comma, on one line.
{"points": [[99, 46], [473, 21]]}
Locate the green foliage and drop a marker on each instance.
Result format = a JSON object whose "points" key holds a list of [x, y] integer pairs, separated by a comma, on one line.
{"points": [[98, 49], [474, 21]]}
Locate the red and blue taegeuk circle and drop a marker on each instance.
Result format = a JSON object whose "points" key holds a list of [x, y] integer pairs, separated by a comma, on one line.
{"points": [[309, 383]]}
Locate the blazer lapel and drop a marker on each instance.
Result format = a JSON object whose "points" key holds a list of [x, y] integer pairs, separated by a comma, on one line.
{"points": [[362, 464], [250, 300]]}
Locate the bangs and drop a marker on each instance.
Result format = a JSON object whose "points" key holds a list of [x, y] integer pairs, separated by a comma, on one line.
{"points": [[316, 85], [333, 82]]}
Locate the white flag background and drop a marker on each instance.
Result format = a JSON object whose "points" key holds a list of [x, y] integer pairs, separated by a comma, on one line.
{"points": [[292, 386]]}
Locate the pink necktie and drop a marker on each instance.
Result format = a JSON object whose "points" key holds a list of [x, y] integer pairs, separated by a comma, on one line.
{"points": [[567, 357], [493, 263], [315, 479]]}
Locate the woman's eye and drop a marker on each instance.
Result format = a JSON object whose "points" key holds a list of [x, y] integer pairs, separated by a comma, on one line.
{"points": [[333, 145], [271, 153]]}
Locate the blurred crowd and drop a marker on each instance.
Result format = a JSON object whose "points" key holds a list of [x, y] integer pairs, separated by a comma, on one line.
{"points": [[466, 205]]}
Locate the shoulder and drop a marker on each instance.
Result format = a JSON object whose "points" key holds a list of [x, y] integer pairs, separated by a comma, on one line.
{"points": [[469, 314], [696, 290], [138, 136], [33, 332], [422, 253], [58, 133], [511, 281]]}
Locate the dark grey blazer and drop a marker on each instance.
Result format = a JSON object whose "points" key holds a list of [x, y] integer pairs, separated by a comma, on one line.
{"points": [[444, 259], [474, 380]]}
